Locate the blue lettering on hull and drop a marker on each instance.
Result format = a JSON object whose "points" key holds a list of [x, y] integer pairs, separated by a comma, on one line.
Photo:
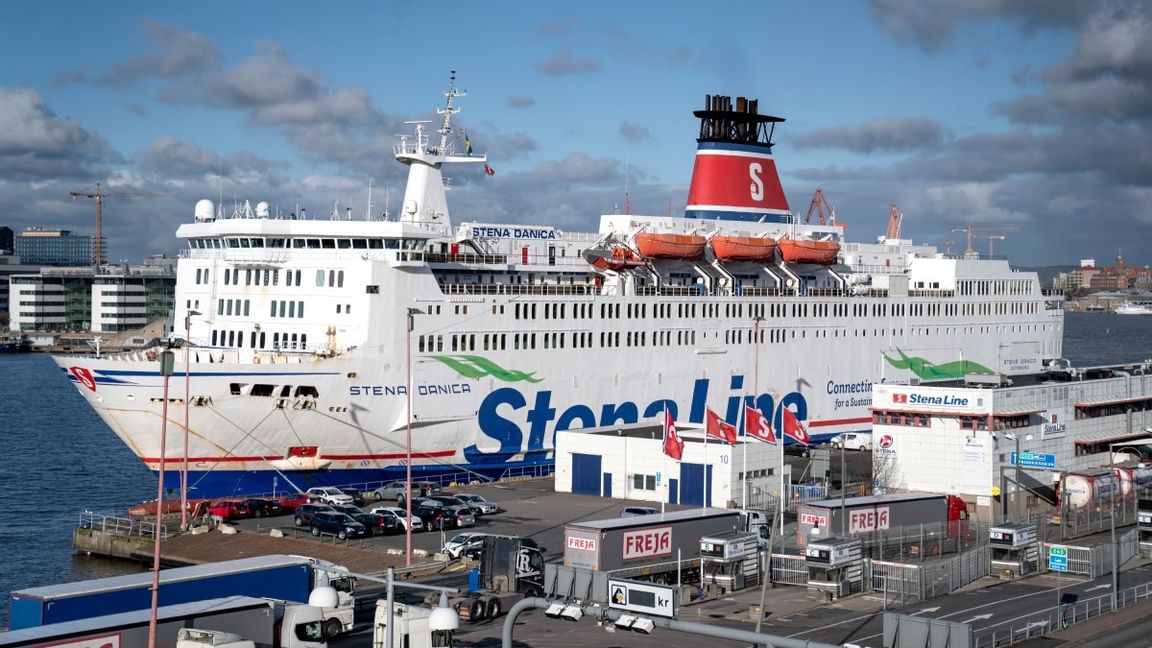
{"points": [[499, 407]]}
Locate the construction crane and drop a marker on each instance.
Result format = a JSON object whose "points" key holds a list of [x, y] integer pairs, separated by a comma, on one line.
{"points": [[99, 195], [982, 233], [993, 237], [820, 205], [894, 219], [947, 246]]}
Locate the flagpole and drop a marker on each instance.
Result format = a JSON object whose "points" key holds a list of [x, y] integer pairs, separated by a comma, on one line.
{"points": [[704, 481], [744, 459]]}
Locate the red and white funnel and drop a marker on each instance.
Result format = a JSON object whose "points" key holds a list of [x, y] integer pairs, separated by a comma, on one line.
{"points": [[735, 175]]}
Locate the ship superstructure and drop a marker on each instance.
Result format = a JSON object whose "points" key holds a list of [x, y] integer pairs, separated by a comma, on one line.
{"points": [[306, 337]]}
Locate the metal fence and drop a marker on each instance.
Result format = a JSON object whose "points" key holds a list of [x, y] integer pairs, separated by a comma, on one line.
{"points": [[120, 526], [789, 569], [813, 492], [920, 542], [905, 582], [1096, 560]]}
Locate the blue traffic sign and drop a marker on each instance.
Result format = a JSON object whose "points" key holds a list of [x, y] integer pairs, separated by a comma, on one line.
{"points": [[1033, 460]]}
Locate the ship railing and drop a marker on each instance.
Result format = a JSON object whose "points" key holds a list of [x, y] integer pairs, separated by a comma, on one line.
{"points": [[518, 289], [120, 526]]}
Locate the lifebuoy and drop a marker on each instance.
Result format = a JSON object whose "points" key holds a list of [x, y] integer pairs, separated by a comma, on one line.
{"points": [[256, 360]]}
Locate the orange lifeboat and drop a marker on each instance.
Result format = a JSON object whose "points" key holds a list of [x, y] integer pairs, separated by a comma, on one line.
{"points": [[685, 247], [743, 248], [615, 259], [809, 251]]}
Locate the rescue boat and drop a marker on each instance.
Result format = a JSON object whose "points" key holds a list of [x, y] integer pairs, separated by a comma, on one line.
{"points": [[616, 259], [809, 251], [743, 248], [684, 247]]}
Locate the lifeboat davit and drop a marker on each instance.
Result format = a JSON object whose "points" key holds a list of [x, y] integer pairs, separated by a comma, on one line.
{"points": [[809, 251], [616, 259], [743, 248], [684, 247]]}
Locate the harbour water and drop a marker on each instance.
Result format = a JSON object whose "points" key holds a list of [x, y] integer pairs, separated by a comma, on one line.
{"points": [[59, 459]]}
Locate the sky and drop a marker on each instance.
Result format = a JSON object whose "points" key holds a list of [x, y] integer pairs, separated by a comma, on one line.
{"points": [[1026, 119]]}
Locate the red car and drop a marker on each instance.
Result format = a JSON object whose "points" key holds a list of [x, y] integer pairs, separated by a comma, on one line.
{"points": [[230, 509], [291, 501]]}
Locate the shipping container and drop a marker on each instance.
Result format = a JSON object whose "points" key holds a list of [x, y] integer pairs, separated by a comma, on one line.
{"points": [[288, 578], [619, 543], [877, 513]]}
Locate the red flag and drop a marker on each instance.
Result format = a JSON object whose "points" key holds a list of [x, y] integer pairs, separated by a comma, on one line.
{"points": [[673, 444], [792, 427], [489, 170], [719, 428], [757, 426]]}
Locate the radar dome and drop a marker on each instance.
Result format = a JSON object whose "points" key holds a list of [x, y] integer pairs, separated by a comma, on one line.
{"points": [[261, 209], [324, 596], [205, 211], [410, 207]]}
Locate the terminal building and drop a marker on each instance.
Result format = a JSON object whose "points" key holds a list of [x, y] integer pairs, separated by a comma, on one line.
{"points": [[628, 462], [978, 438], [113, 300]]}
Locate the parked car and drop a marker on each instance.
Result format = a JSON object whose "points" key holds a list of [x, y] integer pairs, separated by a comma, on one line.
{"points": [[355, 494], [348, 510], [797, 449], [304, 512], [634, 511], [852, 441], [452, 500], [328, 495], [227, 510], [462, 515], [401, 515], [292, 500], [434, 517], [341, 525], [477, 502], [454, 548], [395, 491], [262, 507], [379, 523], [476, 545]]}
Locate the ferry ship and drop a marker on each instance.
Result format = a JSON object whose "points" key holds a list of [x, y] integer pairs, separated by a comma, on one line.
{"points": [[330, 351]]}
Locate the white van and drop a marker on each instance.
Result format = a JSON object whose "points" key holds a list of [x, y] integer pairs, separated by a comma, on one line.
{"points": [[852, 441]]}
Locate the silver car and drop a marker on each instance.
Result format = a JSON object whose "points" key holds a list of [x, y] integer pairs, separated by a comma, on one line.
{"points": [[462, 515], [401, 516], [479, 503]]}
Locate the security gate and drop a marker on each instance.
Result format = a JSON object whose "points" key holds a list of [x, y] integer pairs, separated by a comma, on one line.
{"points": [[789, 569]]}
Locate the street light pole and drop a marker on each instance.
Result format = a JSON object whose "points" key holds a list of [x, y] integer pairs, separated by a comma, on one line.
{"points": [[1112, 524], [755, 396], [187, 388], [167, 359], [408, 444]]}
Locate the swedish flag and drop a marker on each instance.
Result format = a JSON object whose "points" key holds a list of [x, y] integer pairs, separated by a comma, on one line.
{"points": [[467, 145]]}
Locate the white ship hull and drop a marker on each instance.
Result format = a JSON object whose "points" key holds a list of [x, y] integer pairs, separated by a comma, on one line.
{"points": [[302, 354]]}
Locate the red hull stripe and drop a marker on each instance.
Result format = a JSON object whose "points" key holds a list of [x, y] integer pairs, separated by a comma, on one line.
{"points": [[736, 180], [853, 421], [358, 457]]}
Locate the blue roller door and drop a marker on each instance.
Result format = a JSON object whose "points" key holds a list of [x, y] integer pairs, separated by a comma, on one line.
{"points": [[692, 483], [585, 474]]}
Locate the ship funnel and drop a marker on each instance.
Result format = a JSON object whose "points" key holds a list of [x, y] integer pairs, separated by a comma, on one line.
{"points": [[735, 175]]}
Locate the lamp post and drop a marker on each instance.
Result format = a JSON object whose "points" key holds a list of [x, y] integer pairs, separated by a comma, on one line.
{"points": [[1112, 525], [187, 388], [755, 396], [411, 322], [167, 360]]}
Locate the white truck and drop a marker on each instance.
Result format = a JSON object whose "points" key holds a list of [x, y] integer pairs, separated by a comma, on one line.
{"points": [[412, 626]]}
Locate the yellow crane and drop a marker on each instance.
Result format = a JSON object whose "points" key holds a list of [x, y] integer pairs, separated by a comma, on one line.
{"points": [[982, 232], [99, 195]]}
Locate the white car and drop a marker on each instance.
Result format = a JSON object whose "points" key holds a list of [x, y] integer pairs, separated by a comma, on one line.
{"points": [[329, 495], [479, 503], [454, 548], [401, 516], [852, 441]]}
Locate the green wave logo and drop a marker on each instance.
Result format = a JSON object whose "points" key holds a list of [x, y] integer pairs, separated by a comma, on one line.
{"points": [[927, 370], [472, 366]]}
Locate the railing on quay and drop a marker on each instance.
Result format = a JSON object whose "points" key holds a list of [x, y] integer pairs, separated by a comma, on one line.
{"points": [[1027, 626], [120, 526]]}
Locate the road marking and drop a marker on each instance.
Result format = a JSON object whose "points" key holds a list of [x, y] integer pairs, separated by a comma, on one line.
{"points": [[1104, 586], [925, 611], [978, 617]]}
